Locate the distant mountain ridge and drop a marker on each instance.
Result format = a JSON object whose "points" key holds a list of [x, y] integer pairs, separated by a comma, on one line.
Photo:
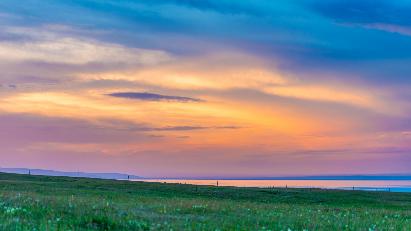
{"points": [[122, 176], [114, 176]]}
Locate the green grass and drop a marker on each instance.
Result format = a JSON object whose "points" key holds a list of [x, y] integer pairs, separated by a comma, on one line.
{"points": [[62, 203]]}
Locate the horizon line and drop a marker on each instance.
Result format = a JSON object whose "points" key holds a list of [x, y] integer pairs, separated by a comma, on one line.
{"points": [[347, 176]]}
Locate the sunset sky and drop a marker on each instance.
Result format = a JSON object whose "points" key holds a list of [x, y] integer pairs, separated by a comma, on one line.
{"points": [[173, 88]]}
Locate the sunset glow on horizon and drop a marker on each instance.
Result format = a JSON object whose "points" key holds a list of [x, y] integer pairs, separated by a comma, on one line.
{"points": [[206, 88]]}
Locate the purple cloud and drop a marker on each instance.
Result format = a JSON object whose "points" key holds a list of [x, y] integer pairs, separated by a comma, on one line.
{"points": [[146, 96]]}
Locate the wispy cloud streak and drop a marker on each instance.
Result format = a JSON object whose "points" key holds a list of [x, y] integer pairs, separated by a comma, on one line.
{"points": [[153, 97]]}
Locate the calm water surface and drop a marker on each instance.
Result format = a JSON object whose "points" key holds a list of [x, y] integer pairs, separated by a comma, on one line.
{"points": [[373, 185]]}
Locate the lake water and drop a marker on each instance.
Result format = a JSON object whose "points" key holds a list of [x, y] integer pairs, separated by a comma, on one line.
{"points": [[371, 185]]}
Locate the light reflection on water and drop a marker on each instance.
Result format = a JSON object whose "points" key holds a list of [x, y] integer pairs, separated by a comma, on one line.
{"points": [[372, 185]]}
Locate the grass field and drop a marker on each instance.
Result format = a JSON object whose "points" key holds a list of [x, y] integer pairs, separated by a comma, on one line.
{"points": [[61, 203]]}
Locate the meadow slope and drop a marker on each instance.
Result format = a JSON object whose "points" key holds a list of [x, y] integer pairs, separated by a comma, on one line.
{"points": [[63, 203]]}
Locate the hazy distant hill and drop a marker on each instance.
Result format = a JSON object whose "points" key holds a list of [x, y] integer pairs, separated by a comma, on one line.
{"points": [[70, 174], [118, 176]]}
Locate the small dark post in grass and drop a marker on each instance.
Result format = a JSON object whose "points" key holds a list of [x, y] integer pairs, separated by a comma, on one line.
{"points": [[29, 172], [128, 177], [217, 183]]}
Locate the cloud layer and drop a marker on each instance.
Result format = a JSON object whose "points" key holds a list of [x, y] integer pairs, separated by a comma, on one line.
{"points": [[176, 87]]}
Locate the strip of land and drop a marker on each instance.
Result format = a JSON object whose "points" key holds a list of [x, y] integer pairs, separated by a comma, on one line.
{"points": [[67, 203]]}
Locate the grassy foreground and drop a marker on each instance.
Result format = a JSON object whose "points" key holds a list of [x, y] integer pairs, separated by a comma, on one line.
{"points": [[62, 203]]}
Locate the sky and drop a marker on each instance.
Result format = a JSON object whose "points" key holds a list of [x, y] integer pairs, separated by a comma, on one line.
{"points": [[180, 88]]}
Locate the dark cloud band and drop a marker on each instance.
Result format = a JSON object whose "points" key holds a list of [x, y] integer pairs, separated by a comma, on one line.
{"points": [[153, 97]]}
